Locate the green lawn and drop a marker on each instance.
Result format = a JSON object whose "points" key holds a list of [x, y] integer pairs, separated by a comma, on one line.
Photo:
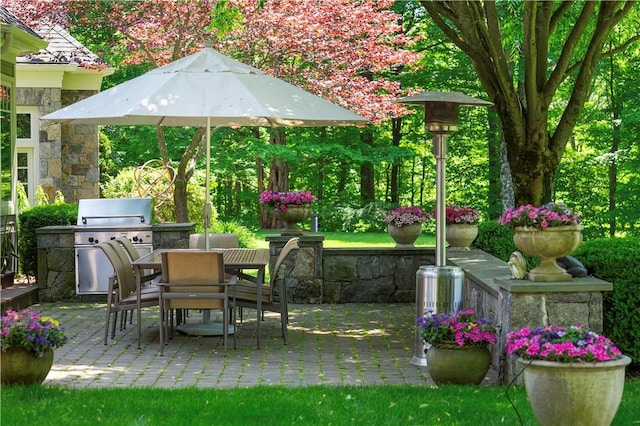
{"points": [[317, 405], [355, 239]]}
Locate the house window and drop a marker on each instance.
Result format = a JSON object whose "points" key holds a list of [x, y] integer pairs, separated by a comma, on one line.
{"points": [[6, 146], [23, 121], [27, 149]]}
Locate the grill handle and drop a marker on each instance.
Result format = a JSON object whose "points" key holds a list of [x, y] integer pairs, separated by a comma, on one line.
{"points": [[119, 216]]}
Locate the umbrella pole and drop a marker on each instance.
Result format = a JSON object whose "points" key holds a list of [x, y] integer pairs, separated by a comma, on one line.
{"points": [[207, 198]]}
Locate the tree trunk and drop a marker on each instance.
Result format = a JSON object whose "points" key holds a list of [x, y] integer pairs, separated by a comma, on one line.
{"points": [[279, 174], [184, 171], [578, 31], [495, 166], [367, 185], [396, 136]]}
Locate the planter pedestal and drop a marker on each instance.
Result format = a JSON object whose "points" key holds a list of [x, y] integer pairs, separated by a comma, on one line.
{"points": [[294, 214], [548, 244]]}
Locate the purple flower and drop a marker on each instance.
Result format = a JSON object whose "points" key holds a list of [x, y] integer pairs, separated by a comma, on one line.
{"points": [[29, 330], [563, 344], [279, 200], [549, 215], [462, 327], [402, 216]]}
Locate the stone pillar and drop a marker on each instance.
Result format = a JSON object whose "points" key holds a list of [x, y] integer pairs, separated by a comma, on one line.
{"points": [[524, 303], [79, 155], [306, 281]]}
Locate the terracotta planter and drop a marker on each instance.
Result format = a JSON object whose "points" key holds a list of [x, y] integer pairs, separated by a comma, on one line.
{"points": [[574, 393], [19, 366], [459, 236], [548, 244], [449, 363], [294, 214], [406, 235]]}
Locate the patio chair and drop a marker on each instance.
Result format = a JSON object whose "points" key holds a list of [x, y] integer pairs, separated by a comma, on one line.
{"points": [[121, 295], [127, 253], [133, 254], [227, 240], [195, 280], [274, 295]]}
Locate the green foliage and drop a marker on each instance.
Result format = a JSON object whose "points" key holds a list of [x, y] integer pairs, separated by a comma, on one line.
{"points": [[123, 185], [369, 218], [617, 260], [57, 214], [495, 239], [246, 237]]}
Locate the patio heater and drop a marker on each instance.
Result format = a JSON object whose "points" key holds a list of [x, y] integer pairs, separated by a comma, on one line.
{"points": [[439, 288]]}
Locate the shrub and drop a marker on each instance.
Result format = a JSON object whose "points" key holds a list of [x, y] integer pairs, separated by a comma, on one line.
{"points": [[59, 214], [617, 260], [246, 238], [495, 239]]}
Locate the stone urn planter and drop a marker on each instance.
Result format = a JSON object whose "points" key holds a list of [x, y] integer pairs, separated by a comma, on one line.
{"points": [[19, 366], [459, 236], [405, 236], [28, 341], [548, 244], [574, 393], [294, 214], [449, 363]]}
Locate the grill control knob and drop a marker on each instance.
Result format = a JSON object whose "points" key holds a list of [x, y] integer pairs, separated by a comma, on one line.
{"points": [[91, 239], [135, 239], [113, 238]]}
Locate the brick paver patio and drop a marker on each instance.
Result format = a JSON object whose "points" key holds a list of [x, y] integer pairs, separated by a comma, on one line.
{"points": [[352, 344]]}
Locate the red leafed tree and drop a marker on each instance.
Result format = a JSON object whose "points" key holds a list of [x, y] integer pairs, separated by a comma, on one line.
{"points": [[341, 50]]}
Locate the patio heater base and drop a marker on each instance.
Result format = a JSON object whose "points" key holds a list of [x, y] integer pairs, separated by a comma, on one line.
{"points": [[439, 290]]}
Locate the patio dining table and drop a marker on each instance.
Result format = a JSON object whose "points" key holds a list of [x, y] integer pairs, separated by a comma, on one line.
{"points": [[237, 261]]}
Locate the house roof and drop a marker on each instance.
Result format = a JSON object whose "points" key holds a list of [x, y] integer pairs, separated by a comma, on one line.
{"points": [[9, 18], [63, 48]]}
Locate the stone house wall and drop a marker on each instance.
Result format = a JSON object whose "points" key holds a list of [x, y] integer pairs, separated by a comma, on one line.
{"points": [[68, 153]]}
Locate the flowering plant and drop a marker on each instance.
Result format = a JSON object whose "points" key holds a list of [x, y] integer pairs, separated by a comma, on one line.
{"points": [[31, 331], [406, 216], [557, 343], [279, 200], [550, 215], [462, 327], [460, 215]]}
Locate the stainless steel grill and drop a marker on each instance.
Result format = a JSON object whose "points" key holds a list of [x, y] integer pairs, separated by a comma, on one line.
{"points": [[102, 220]]}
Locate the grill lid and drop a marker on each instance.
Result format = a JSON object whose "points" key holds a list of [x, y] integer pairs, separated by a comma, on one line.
{"points": [[114, 211]]}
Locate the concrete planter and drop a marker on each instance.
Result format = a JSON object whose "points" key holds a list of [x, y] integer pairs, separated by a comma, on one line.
{"points": [[20, 366], [406, 235], [449, 363], [574, 393], [459, 236], [548, 244]]}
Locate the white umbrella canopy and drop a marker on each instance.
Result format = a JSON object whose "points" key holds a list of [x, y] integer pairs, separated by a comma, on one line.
{"points": [[206, 85], [206, 89]]}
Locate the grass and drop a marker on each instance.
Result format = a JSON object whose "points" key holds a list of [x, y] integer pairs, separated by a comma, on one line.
{"points": [[276, 405], [353, 239]]}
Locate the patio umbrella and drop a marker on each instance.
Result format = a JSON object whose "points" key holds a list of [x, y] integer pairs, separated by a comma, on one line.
{"points": [[206, 89]]}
